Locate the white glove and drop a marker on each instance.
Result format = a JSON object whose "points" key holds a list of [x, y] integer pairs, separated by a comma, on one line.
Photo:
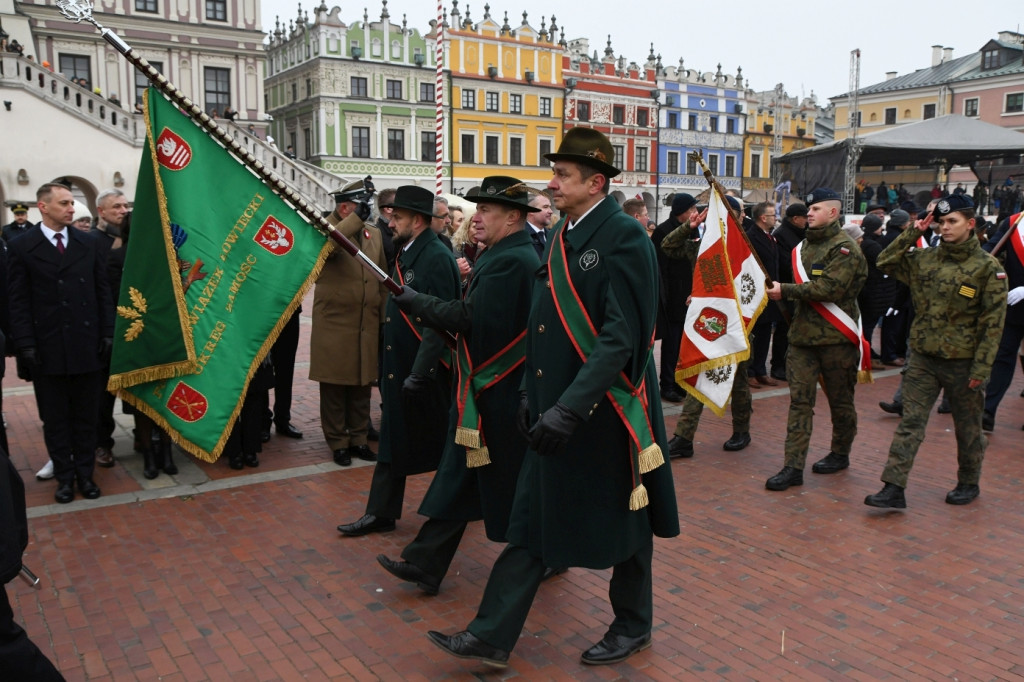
{"points": [[891, 312], [1015, 296]]}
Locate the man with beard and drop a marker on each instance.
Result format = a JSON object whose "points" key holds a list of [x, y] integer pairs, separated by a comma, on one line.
{"points": [[415, 386], [484, 451]]}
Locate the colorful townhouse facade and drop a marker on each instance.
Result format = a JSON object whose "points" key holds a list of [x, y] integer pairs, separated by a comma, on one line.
{"points": [[776, 124]]}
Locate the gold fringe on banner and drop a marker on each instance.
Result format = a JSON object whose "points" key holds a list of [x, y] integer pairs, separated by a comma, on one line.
{"points": [[651, 458], [864, 377], [638, 498], [467, 437], [477, 457]]}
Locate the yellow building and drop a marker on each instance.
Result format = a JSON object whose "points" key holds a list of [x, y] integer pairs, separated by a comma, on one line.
{"points": [[776, 124], [506, 102]]}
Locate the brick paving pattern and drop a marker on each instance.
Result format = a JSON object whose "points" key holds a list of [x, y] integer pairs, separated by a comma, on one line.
{"points": [[223, 575]]}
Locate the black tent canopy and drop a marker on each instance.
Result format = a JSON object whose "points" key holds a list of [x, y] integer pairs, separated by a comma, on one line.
{"points": [[948, 141]]}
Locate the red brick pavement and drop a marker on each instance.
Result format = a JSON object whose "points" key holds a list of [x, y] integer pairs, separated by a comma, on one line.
{"points": [[252, 582]]}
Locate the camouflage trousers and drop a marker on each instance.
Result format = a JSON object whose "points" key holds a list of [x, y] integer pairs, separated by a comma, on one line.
{"points": [[686, 427], [926, 376], [836, 364]]}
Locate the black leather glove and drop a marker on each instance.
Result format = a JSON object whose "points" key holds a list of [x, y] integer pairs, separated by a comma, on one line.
{"points": [[404, 299], [523, 415], [553, 429], [106, 347], [416, 386], [363, 210], [25, 362]]}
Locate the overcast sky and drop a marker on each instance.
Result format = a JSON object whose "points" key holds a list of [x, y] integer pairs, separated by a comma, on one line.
{"points": [[805, 47]]}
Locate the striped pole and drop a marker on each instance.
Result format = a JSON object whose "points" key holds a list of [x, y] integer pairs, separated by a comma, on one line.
{"points": [[439, 96]]}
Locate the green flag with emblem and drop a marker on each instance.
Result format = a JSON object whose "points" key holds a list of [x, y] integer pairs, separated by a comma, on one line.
{"points": [[216, 264]]}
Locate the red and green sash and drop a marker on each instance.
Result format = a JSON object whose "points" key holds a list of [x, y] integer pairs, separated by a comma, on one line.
{"points": [[413, 327], [629, 401], [472, 382]]}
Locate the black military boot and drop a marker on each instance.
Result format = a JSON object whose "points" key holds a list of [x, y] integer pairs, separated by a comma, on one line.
{"points": [[150, 470], [166, 458], [830, 464], [889, 497], [963, 493], [789, 476], [680, 447]]}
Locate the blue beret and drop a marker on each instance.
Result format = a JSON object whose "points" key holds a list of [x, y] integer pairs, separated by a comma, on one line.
{"points": [[822, 194], [954, 202], [734, 202]]}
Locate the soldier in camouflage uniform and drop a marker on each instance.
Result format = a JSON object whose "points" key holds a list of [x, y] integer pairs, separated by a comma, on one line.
{"points": [[683, 243], [835, 271], [959, 295]]}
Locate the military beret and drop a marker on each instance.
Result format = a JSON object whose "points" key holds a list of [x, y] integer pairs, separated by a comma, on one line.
{"points": [[822, 194], [19, 208], [734, 202], [954, 202], [795, 210], [898, 218], [682, 202]]}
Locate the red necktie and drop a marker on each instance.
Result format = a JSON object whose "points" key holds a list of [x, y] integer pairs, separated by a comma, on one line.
{"points": [[60, 242]]}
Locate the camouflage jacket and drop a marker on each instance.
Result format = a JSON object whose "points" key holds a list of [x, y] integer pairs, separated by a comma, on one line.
{"points": [[959, 295], [836, 270], [682, 243]]}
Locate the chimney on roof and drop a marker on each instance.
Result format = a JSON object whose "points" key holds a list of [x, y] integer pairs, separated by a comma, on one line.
{"points": [[936, 55], [947, 54], [889, 75]]}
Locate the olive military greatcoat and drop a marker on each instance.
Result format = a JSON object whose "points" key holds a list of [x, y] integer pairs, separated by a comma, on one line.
{"points": [[491, 315], [428, 267], [348, 306], [572, 509]]}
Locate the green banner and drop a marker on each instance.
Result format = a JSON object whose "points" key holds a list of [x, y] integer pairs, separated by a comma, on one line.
{"points": [[216, 265]]}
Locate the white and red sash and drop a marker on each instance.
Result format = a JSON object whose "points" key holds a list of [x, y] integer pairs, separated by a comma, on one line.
{"points": [[838, 318], [1017, 235]]}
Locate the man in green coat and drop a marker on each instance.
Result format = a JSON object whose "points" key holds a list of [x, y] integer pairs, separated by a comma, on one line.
{"points": [[959, 295], [484, 450], [414, 388], [593, 489]]}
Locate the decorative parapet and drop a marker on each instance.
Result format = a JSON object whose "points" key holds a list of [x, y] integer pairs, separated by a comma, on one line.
{"points": [[704, 140]]}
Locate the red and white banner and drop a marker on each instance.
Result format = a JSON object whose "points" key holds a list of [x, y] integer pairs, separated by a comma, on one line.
{"points": [[728, 294]]}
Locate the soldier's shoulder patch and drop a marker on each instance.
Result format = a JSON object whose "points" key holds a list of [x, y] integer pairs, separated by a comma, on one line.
{"points": [[1000, 275], [844, 250], [967, 291]]}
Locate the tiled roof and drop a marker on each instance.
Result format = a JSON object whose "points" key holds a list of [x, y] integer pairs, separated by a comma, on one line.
{"points": [[934, 75]]}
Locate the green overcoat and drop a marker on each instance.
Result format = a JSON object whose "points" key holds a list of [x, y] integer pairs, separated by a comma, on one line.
{"points": [[429, 267], [572, 509], [491, 315]]}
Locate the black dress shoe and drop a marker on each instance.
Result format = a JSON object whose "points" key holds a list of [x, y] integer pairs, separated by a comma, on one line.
{"points": [[465, 645], [265, 436], [366, 525], [892, 408], [65, 493], [362, 452], [104, 457], [944, 407], [671, 395], [410, 573], [251, 460], [236, 462], [737, 442], [615, 648], [89, 490], [552, 571], [988, 421], [288, 431], [785, 478], [342, 457], [831, 463], [962, 494], [680, 447], [889, 497]]}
